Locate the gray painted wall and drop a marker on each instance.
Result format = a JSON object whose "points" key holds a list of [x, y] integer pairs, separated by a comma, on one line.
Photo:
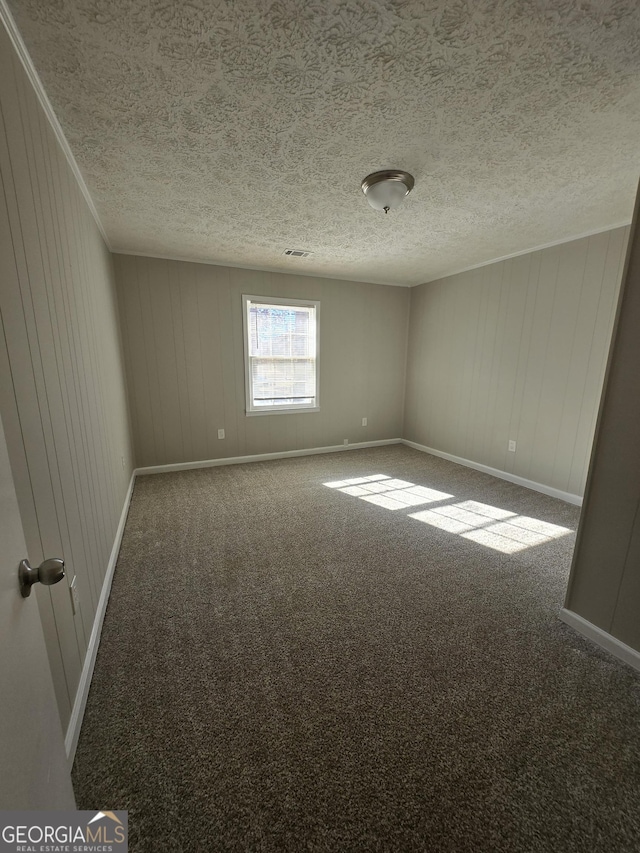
{"points": [[604, 587], [62, 396], [516, 350], [182, 328]]}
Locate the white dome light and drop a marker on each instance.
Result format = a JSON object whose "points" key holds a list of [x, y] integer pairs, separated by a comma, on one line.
{"points": [[385, 190]]}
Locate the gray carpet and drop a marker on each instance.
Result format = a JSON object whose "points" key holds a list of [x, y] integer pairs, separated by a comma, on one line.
{"points": [[288, 667]]}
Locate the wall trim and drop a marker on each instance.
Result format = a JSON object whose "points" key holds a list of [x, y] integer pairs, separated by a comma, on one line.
{"points": [[438, 277], [23, 54], [530, 251], [82, 693], [34, 78], [601, 638], [77, 712], [262, 457], [502, 475], [606, 641], [232, 265]]}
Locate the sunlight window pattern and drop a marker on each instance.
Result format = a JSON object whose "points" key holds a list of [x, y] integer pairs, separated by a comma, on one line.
{"points": [[484, 524]]}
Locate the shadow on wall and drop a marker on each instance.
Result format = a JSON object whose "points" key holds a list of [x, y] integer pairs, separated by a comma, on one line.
{"points": [[487, 525]]}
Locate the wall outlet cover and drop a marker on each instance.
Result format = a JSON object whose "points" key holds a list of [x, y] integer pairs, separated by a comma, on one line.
{"points": [[512, 445], [220, 433], [364, 422]]}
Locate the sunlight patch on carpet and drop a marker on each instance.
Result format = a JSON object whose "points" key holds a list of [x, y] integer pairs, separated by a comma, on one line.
{"points": [[490, 526]]}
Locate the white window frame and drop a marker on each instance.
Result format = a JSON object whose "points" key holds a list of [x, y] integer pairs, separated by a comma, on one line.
{"points": [[287, 409]]}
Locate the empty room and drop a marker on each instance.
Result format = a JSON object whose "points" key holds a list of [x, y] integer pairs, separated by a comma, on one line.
{"points": [[319, 406]]}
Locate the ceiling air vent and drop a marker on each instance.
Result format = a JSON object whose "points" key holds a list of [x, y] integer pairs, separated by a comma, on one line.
{"points": [[297, 253]]}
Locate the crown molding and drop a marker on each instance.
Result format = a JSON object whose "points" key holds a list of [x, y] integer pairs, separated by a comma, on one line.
{"points": [[527, 251], [23, 55], [230, 264], [439, 277], [16, 39]]}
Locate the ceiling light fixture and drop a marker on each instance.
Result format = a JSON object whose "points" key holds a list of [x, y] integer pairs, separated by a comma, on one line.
{"points": [[385, 190]]}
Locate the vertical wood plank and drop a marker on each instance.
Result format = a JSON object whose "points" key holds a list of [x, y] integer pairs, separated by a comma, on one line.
{"points": [[185, 359], [516, 350], [62, 392]]}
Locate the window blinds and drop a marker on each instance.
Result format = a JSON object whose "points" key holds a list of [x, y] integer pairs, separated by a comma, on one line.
{"points": [[282, 354]]}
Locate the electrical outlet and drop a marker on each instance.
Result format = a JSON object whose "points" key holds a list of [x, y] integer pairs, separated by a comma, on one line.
{"points": [[220, 433], [512, 445], [75, 595], [364, 422], [346, 441]]}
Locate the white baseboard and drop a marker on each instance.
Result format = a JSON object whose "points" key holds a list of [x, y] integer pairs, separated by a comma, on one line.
{"points": [[73, 731], [262, 457], [82, 693], [601, 638], [77, 712], [502, 475]]}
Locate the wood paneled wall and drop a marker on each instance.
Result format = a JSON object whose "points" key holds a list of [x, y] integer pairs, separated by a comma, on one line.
{"points": [[604, 587], [516, 350], [182, 327], [62, 393]]}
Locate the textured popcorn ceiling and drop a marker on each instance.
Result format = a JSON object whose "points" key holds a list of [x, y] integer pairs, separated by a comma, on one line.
{"points": [[230, 130]]}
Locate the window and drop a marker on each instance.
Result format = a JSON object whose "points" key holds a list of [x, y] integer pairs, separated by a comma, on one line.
{"points": [[280, 354]]}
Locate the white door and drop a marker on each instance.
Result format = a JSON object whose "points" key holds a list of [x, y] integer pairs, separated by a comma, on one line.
{"points": [[34, 772]]}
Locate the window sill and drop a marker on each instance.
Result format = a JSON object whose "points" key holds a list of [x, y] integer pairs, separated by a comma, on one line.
{"points": [[297, 410]]}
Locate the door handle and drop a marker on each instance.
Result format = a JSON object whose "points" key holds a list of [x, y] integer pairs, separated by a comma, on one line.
{"points": [[48, 573]]}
